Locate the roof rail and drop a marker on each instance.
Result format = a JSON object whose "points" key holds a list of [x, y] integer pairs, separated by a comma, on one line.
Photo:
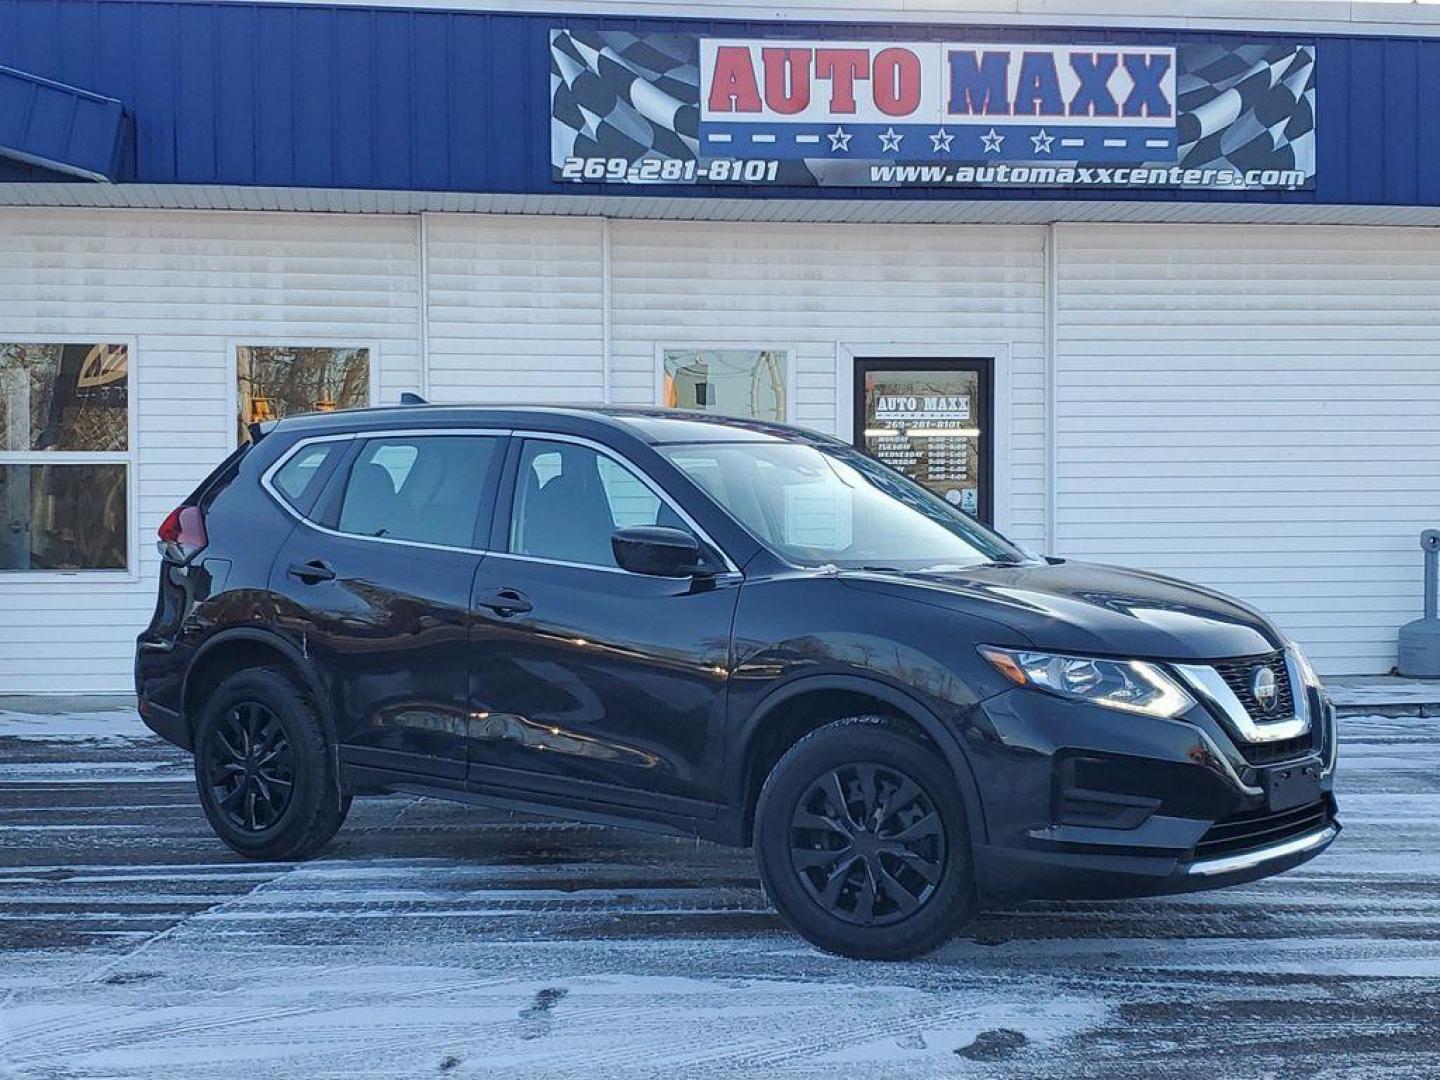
{"points": [[408, 398]]}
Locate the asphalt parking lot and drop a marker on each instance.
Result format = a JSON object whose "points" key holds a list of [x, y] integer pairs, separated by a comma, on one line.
{"points": [[436, 940]]}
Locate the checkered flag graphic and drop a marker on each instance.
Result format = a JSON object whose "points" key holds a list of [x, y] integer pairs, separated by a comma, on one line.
{"points": [[1247, 107], [615, 94]]}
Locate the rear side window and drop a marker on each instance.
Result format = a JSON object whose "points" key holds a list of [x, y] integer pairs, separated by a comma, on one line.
{"points": [[295, 480], [426, 489]]}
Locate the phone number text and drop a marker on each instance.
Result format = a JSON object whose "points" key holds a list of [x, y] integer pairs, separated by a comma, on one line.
{"points": [[669, 170]]}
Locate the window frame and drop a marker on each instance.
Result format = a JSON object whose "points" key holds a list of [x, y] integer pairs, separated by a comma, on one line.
{"points": [[503, 475], [130, 573], [232, 385], [791, 352], [499, 547]]}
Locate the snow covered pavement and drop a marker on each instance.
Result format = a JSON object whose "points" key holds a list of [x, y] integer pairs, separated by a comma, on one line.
{"points": [[444, 941]]}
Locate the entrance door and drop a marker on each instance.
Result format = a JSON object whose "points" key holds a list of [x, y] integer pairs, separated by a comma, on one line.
{"points": [[932, 420]]}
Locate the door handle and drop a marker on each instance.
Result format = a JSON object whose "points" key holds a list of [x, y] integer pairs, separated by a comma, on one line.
{"points": [[505, 602], [315, 570]]}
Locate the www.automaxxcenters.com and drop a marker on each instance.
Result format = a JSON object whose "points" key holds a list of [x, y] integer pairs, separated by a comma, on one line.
{"points": [[1086, 176]]}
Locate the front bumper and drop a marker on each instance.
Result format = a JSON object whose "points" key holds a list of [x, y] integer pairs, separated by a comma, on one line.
{"points": [[1083, 802]]}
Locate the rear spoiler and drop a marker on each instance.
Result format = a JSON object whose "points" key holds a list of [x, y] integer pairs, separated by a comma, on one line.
{"points": [[260, 429]]}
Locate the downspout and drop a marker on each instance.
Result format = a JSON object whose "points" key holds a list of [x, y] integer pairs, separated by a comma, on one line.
{"points": [[424, 306], [1052, 452], [605, 392]]}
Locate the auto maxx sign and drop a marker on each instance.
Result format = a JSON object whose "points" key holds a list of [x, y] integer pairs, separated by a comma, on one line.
{"points": [[680, 109]]}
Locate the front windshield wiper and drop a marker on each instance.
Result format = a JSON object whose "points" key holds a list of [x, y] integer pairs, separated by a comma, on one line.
{"points": [[984, 564]]}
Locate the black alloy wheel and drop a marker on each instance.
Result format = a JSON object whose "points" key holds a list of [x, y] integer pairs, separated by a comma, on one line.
{"points": [[265, 767], [868, 844], [863, 842], [250, 767]]}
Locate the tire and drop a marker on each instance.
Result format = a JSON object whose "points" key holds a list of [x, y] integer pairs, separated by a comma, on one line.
{"points": [[265, 770], [896, 883]]}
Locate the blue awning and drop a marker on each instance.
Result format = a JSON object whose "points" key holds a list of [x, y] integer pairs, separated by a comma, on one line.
{"points": [[61, 128]]}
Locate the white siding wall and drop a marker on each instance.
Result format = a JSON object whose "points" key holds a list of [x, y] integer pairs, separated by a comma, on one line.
{"points": [[1257, 409], [816, 287], [515, 309], [181, 285]]}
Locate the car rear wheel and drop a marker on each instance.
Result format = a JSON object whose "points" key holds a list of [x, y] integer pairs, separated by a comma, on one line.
{"points": [[266, 779], [862, 842]]}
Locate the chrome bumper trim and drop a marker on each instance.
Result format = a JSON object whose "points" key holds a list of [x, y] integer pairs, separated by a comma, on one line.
{"points": [[1250, 859]]}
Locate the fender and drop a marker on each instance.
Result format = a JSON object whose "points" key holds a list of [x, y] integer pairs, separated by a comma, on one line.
{"points": [[271, 639], [904, 703]]}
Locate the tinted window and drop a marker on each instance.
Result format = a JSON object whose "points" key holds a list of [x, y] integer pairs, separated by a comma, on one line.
{"points": [[570, 499], [425, 488], [295, 478]]}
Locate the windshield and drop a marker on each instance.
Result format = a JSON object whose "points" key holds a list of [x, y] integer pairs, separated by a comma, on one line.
{"points": [[818, 507]]}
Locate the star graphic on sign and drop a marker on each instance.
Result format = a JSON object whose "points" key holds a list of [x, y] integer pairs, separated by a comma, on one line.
{"points": [[941, 141], [890, 141], [839, 139], [992, 141], [1042, 142]]}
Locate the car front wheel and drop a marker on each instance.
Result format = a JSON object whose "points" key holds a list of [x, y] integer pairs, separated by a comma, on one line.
{"points": [[862, 842], [266, 780]]}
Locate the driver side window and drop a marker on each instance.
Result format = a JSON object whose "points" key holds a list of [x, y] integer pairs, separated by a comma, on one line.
{"points": [[569, 499]]}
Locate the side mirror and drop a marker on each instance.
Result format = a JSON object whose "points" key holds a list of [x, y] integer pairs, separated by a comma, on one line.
{"points": [[657, 551]]}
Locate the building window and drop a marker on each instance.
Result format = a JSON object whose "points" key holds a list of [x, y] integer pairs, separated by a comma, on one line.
{"points": [[65, 456], [275, 381], [753, 383]]}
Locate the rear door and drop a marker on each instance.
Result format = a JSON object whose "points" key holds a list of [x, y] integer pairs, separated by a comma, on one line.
{"points": [[375, 584]]}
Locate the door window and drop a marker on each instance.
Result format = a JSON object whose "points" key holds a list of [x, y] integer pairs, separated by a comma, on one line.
{"points": [[426, 489], [569, 499], [930, 421]]}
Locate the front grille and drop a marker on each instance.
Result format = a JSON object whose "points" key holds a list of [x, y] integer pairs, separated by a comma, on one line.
{"points": [[1237, 673], [1274, 753], [1245, 832]]}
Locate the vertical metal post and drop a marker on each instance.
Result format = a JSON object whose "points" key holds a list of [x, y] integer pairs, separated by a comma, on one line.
{"points": [[1430, 542], [1419, 650]]}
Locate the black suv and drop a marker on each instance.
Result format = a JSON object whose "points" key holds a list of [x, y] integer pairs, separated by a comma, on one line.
{"points": [[739, 631]]}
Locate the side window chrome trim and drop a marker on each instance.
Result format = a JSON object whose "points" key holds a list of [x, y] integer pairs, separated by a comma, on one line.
{"points": [[267, 478], [728, 575], [645, 478]]}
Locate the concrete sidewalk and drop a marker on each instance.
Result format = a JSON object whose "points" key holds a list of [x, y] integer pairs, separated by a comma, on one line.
{"points": [[1386, 695]]}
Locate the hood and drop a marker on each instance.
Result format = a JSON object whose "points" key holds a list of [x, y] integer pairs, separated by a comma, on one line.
{"points": [[1087, 608]]}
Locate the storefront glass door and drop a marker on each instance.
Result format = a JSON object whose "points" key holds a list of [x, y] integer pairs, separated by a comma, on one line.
{"points": [[931, 420]]}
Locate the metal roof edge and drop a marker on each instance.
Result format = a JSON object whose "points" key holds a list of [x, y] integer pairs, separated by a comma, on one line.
{"points": [[1358, 17], [182, 197]]}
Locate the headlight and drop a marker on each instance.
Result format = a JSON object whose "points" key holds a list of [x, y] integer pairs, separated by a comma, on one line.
{"points": [[1128, 685]]}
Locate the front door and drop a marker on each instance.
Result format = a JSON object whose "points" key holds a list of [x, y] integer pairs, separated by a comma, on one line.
{"points": [[933, 421], [591, 682]]}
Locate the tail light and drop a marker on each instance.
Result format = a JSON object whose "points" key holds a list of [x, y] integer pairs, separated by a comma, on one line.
{"points": [[182, 535]]}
